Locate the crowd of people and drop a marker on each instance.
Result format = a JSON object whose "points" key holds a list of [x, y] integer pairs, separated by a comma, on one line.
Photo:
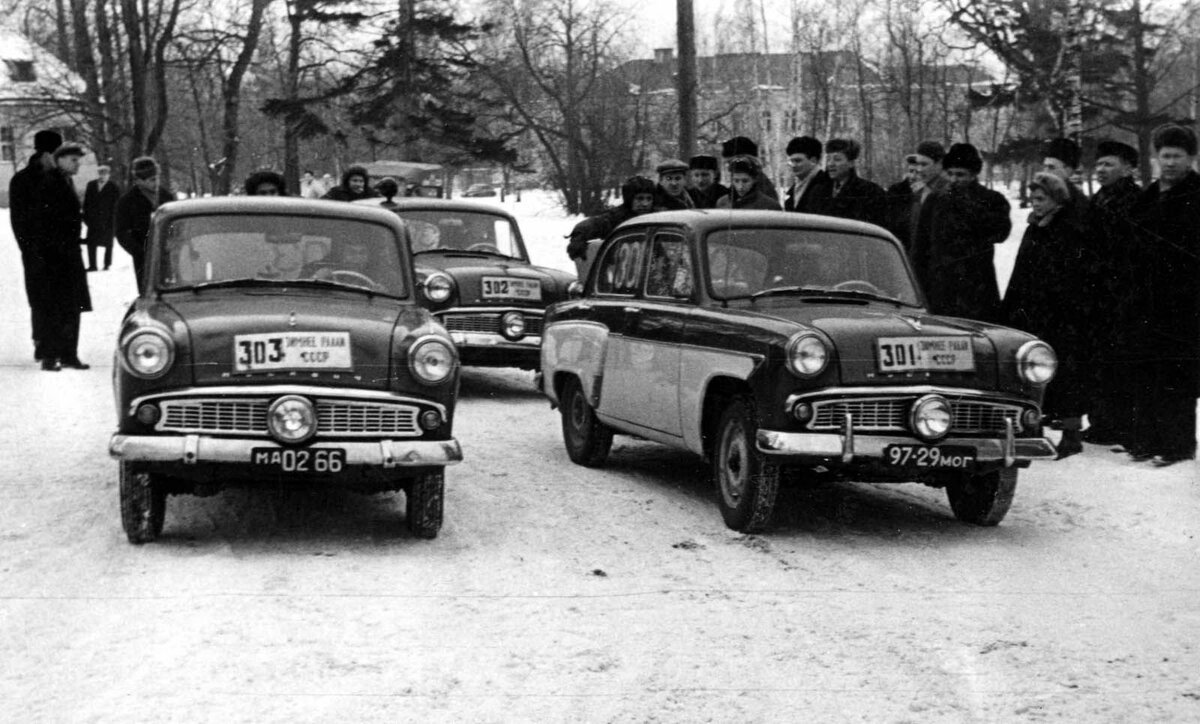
{"points": [[1111, 281]]}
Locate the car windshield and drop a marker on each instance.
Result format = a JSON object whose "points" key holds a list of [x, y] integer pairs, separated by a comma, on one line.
{"points": [[760, 262], [466, 231], [216, 250]]}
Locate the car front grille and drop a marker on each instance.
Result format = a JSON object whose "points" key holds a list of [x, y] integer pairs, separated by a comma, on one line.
{"points": [[487, 323], [890, 414], [342, 418]]}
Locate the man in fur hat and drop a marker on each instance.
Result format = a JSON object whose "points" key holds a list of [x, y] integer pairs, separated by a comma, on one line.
{"points": [[705, 175], [1061, 156], [637, 197], [810, 191], [134, 208], [23, 192], [851, 196]]}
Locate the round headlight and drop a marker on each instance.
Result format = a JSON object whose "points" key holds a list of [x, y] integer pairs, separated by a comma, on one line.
{"points": [[512, 325], [432, 360], [438, 287], [930, 418], [291, 419], [148, 353], [1036, 362], [807, 355]]}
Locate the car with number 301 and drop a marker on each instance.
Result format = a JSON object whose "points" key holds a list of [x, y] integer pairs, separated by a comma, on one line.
{"points": [[278, 341], [769, 342]]}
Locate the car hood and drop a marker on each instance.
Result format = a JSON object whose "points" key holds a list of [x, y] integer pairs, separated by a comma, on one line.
{"points": [[468, 272], [215, 318]]}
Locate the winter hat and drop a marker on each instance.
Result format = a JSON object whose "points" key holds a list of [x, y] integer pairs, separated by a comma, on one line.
{"points": [[845, 146], [71, 149], [635, 185], [739, 146], [744, 165], [1064, 149], [931, 150], [671, 165], [47, 141], [807, 145], [1052, 185], [963, 155], [1123, 151], [144, 168], [254, 180], [704, 163], [1175, 136]]}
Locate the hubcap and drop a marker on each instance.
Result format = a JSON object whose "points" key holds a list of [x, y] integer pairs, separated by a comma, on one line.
{"points": [[733, 465]]}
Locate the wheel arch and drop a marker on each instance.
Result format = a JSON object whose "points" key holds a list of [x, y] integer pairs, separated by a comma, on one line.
{"points": [[717, 395]]}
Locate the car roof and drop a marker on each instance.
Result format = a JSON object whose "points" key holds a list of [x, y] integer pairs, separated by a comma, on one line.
{"points": [[704, 220], [425, 203], [285, 205]]}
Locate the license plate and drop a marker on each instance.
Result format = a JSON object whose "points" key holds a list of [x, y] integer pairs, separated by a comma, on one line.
{"points": [[511, 288], [299, 460], [930, 457], [291, 351], [907, 354]]}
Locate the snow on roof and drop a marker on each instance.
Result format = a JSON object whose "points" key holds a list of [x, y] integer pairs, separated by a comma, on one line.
{"points": [[27, 72]]}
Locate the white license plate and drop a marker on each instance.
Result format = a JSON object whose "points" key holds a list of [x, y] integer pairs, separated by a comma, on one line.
{"points": [[934, 354], [511, 288], [291, 351]]}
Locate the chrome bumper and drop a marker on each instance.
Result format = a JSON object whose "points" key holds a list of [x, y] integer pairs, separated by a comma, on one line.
{"points": [[494, 341], [193, 449], [848, 447]]}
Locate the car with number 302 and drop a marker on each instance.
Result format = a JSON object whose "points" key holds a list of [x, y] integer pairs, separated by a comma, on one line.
{"points": [[474, 274], [772, 342], [278, 341]]}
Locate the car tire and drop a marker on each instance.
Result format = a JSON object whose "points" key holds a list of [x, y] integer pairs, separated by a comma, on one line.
{"points": [[587, 440], [983, 499], [143, 505], [747, 481], [424, 503]]}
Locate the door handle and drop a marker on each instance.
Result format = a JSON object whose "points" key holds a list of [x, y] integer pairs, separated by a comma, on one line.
{"points": [[633, 310]]}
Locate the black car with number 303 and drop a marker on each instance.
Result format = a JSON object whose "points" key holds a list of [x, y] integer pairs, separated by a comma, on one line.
{"points": [[474, 274], [767, 341], [279, 341]]}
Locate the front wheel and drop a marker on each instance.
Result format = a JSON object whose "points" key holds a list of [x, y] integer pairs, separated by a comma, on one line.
{"points": [[143, 505], [587, 439], [983, 499], [747, 481], [423, 504]]}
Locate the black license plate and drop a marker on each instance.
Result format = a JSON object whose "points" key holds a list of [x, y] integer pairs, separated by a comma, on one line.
{"points": [[319, 461], [929, 457]]}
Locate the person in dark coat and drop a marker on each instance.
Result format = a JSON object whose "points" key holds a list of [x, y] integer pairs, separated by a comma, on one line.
{"points": [[671, 193], [909, 198], [851, 197], [744, 193], [1116, 366], [1061, 157], [65, 284], [637, 197], [742, 147], [265, 183], [134, 209], [353, 187], [812, 187], [954, 261], [23, 192], [704, 173], [1166, 219], [99, 204], [1049, 295]]}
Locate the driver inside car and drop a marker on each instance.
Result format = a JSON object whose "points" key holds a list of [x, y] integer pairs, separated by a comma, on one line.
{"points": [[349, 256], [287, 257]]}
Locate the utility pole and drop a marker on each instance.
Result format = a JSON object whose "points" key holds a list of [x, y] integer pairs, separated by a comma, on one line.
{"points": [[685, 77]]}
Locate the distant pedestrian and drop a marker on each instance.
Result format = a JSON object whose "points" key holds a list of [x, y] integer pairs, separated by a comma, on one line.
{"points": [[637, 197], [909, 199], [23, 193], [66, 287], [265, 183], [1061, 157], [353, 187], [704, 173], [1050, 295], [955, 262], [99, 204], [134, 209], [851, 196], [811, 188], [1166, 219], [310, 187], [671, 193], [744, 174]]}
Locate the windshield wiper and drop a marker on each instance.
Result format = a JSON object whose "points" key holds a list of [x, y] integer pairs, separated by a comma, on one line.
{"points": [[256, 282], [824, 292]]}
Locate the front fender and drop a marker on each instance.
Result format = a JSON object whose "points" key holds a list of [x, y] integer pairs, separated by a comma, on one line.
{"points": [[573, 348]]}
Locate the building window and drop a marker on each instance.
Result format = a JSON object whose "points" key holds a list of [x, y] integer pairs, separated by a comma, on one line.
{"points": [[766, 121], [21, 71], [791, 120], [8, 148]]}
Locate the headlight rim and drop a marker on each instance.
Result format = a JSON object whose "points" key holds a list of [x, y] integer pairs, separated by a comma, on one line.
{"points": [[169, 352], [312, 411], [513, 314], [438, 276], [416, 347], [794, 344], [1023, 363], [915, 425]]}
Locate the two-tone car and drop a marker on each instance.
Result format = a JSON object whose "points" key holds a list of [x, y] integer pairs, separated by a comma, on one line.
{"points": [[277, 342], [474, 274], [767, 341]]}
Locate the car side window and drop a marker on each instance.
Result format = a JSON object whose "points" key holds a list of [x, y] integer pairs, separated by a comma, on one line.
{"points": [[670, 273], [621, 267]]}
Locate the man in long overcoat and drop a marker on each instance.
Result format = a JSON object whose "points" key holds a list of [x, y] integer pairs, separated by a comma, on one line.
{"points": [[909, 199], [99, 204], [23, 192], [954, 262], [66, 289], [811, 185], [851, 196]]}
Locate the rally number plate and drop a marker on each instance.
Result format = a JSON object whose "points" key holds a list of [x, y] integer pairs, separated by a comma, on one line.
{"points": [[291, 351], [926, 354], [511, 288], [929, 457], [324, 460]]}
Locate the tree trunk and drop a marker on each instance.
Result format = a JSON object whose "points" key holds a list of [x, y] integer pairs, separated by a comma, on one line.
{"points": [[686, 77]]}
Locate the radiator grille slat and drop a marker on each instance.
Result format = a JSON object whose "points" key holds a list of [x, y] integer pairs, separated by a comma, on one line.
{"points": [[249, 417], [487, 323], [891, 414]]}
